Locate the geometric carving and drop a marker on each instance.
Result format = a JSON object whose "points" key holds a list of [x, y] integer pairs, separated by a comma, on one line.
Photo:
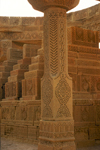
{"points": [[61, 129], [12, 89], [63, 94], [47, 91], [53, 43], [47, 112], [47, 95], [79, 36], [46, 45], [31, 87]]}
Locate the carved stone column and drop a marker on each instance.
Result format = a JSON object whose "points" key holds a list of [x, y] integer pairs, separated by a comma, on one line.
{"points": [[56, 125]]}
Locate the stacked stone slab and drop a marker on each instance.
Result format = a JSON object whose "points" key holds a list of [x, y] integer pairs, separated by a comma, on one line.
{"points": [[4, 45], [13, 88], [12, 56], [31, 85], [31, 95]]}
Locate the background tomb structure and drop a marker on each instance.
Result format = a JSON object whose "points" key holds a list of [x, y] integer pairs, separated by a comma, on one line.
{"points": [[20, 118]]}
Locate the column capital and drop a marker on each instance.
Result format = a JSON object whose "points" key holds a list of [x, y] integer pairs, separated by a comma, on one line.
{"points": [[42, 5]]}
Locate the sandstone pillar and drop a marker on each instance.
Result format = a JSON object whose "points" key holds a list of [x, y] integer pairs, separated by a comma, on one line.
{"points": [[56, 125]]}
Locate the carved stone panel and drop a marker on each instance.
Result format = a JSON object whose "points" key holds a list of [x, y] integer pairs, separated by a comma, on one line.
{"points": [[79, 36], [63, 94], [12, 90], [84, 114], [31, 87]]}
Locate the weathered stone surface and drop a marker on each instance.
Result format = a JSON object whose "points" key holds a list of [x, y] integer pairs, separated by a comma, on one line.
{"points": [[30, 50], [31, 87], [35, 73], [79, 36], [83, 67], [14, 54]]}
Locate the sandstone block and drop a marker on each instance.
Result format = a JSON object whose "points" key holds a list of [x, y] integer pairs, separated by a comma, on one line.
{"points": [[36, 66], [15, 78], [5, 68], [33, 74], [21, 132], [31, 87], [84, 114], [24, 61], [79, 36], [14, 54], [87, 56], [20, 66], [32, 133], [37, 59], [30, 50], [4, 74], [72, 69], [18, 72], [97, 109], [9, 63], [6, 44], [88, 71], [13, 90], [81, 132], [2, 129]]}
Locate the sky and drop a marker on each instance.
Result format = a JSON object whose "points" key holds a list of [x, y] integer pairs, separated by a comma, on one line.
{"points": [[23, 8]]}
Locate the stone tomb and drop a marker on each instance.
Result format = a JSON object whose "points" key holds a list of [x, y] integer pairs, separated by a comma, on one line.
{"points": [[20, 118]]}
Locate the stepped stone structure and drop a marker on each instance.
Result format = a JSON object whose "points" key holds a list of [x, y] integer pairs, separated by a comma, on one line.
{"points": [[12, 56], [22, 62], [31, 89], [13, 88]]}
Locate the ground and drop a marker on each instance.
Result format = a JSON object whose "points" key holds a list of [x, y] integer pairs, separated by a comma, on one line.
{"points": [[7, 144]]}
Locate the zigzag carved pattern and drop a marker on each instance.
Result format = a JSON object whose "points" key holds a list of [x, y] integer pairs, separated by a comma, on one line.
{"points": [[53, 46]]}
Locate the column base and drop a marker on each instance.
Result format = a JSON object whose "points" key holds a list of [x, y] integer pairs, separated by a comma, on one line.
{"points": [[56, 135], [57, 146]]}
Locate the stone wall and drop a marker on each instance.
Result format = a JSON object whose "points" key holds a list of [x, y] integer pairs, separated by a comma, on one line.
{"points": [[86, 18], [25, 28]]}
